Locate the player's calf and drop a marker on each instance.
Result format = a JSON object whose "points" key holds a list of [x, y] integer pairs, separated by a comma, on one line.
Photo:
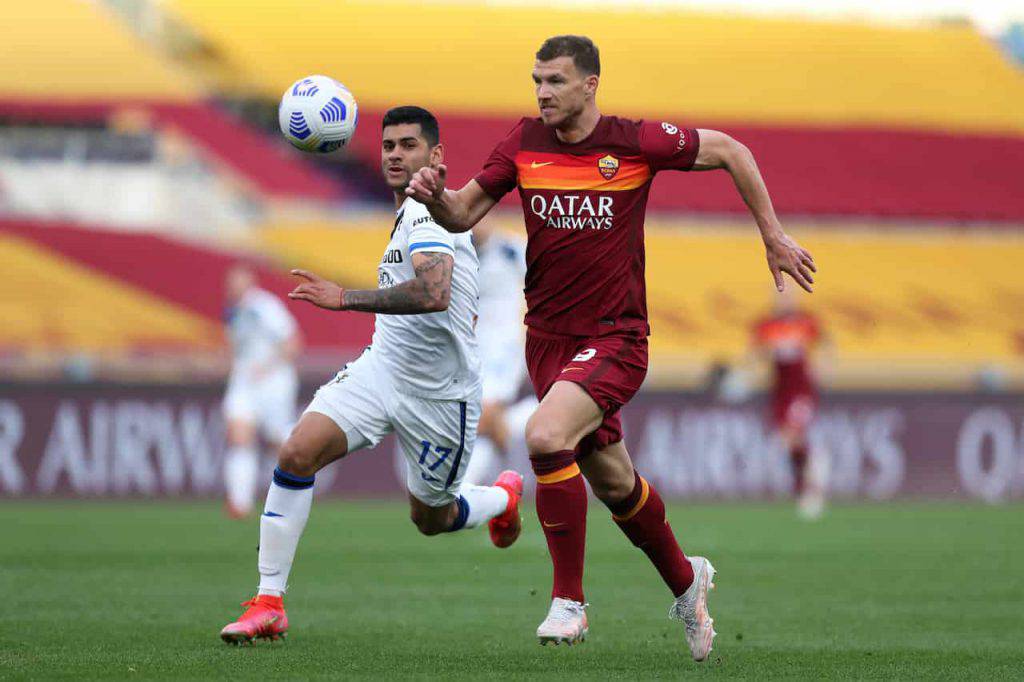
{"points": [[641, 517], [434, 520], [477, 504]]}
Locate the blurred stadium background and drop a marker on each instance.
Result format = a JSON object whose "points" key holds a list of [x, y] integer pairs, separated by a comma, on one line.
{"points": [[139, 159]]}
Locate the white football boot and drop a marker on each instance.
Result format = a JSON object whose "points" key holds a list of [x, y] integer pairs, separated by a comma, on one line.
{"points": [[691, 607], [566, 622]]}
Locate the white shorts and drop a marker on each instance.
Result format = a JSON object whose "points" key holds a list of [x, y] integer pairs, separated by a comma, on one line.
{"points": [[269, 403], [435, 436]]}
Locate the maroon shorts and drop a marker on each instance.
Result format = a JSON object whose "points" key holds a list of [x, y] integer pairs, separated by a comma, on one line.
{"points": [[610, 368], [794, 410]]}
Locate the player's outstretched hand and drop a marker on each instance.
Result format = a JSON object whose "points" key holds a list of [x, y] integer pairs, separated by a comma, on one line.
{"points": [[317, 291], [427, 184], [785, 255]]}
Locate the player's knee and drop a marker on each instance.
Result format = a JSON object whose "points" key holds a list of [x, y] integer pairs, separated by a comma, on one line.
{"points": [[544, 436], [295, 459]]}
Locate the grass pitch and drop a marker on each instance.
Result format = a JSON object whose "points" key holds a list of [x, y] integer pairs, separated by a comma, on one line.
{"points": [[140, 591]]}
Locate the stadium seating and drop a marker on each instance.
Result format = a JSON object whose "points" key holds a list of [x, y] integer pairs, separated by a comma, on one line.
{"points": [[845, 118], [73, 62], [849, 171], [109, 283], [656, 62], [52, 303], [902, 296]]}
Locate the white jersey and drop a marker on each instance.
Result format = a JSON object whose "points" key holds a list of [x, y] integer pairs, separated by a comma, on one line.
{"points": [[257, 326], [432, 355], [500, 331]]}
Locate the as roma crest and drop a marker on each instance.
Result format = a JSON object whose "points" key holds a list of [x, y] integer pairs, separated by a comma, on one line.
{"points": [[608, 166]]}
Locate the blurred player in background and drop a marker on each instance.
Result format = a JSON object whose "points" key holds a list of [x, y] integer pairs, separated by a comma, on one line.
{"points": [[788, 339], [262, 386], [420, 378], [583, 179], [500, 336]]}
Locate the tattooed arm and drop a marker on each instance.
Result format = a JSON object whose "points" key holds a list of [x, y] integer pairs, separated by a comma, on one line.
{"points": [[429, 292]]}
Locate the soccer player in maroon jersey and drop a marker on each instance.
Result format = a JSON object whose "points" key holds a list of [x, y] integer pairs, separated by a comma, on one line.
{"points": [[787, 339], [584, 179]]}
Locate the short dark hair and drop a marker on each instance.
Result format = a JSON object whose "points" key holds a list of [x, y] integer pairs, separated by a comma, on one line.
{"points": [[411, 114], [581, 48]]}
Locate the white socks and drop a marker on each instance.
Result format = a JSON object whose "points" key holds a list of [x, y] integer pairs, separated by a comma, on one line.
{"points": [[287, 509], [241, 466], [485, 502], [284, 518]]}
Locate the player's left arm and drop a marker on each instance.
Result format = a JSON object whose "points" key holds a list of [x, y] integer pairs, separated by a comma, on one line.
{"points": [[720, 151], [429, 292]]}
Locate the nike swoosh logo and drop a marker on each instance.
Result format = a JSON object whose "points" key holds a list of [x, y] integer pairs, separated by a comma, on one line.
{"points": [[572, 369], [551, 525], [535, 164]]}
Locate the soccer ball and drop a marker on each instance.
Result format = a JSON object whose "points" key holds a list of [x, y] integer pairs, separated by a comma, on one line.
{"points": [[318, 114]]}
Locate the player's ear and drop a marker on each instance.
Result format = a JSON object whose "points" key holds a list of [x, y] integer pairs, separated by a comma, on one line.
{"points": [[436, 155], [590, 84]]}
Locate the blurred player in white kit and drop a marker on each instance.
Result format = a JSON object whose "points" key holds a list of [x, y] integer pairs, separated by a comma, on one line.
{"points": [[263, 385], [500, 335]]}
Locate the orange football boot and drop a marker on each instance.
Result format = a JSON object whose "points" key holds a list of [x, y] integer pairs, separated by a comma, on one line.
{"points": [[505, 528], [264, 619]]}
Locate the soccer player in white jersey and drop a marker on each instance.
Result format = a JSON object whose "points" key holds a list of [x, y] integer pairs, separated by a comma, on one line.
{"points": [[420, 378], [500, 333], [263, 385]]}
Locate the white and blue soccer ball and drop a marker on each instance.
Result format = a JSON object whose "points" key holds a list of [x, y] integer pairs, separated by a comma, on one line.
{"points": [[318, 114]]}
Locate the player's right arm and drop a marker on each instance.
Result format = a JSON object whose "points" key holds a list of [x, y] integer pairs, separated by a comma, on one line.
{"points": [[456, 211], [430, 291], [460, 211]]}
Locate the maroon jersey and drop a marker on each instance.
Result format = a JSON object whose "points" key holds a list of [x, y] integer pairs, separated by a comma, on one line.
{"points": [[789, 338], [584, 205]]}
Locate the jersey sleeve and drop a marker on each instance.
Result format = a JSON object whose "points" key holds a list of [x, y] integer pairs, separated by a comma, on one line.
{"points": [[667, 146], [426, 235], [499, 175]]}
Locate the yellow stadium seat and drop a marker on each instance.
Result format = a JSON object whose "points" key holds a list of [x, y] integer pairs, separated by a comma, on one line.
{"points": [[897, 296], [49, 303], [474, 58], [70, 50]]}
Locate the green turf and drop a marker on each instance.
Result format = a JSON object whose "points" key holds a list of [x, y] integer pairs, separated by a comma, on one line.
{"points": [[134, 591]]}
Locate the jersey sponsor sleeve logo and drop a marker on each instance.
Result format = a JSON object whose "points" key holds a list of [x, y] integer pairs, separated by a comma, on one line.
{"points": [[669, 128], [608, 166]]}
